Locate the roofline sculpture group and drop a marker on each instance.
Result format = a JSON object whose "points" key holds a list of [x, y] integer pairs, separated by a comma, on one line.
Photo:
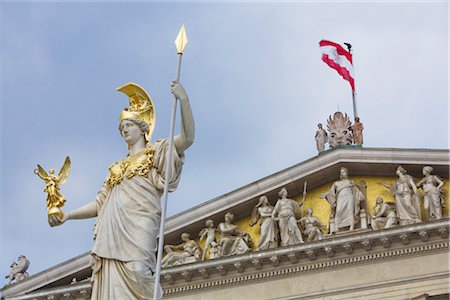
{"points": [[285, 223]]}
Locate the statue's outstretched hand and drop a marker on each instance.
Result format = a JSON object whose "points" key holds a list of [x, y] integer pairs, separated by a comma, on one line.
{"points": [[178, 90], [54, 220]]}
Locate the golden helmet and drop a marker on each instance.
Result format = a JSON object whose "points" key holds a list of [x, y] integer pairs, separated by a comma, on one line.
{"points": [[141, 106]]}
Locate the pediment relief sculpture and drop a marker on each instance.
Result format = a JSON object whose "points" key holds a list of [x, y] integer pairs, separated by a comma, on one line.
{"points": [[407, 198], [346, 199], [268, 226], [293, 221], [209, 235], [232, 240], [311, 227], [285, 212], [384, 215], [434, 199], [190, 252]]}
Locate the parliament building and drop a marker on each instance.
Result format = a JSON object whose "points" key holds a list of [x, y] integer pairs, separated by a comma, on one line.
{"points": [[313, 253]]}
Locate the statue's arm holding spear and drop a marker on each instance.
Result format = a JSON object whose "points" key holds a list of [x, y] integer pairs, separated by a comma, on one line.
{"points": [[187, 127]]}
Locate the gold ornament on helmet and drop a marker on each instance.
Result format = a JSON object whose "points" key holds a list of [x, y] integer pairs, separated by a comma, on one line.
{"points": [[141, 107]]}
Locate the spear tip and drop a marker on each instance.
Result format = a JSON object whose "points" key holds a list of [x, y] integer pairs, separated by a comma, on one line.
{"points": [[181, 40]]}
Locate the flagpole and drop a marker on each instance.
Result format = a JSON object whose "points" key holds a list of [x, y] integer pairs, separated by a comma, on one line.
{"points": [[180, 42], [355, 114]]}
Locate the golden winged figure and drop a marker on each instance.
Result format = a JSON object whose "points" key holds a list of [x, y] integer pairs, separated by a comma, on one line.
{"points": [[55, 199]]}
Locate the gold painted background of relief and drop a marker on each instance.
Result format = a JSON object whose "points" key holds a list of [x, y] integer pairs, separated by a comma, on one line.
{"points": [[321, 208]]}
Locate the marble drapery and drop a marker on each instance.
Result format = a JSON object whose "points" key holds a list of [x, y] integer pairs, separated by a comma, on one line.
{"points": [[125, 244]]}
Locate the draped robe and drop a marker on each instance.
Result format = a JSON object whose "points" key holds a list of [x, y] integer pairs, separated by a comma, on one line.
{"points": [[125, 234]]}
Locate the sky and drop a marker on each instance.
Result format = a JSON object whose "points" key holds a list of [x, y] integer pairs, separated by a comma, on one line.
{"points": [[255, 80]]}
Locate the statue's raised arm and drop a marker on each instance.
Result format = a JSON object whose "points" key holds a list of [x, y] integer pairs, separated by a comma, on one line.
{"points": [[187, 127]]}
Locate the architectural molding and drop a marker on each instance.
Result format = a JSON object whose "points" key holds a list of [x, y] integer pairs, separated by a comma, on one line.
{"points": [[281, 264]]}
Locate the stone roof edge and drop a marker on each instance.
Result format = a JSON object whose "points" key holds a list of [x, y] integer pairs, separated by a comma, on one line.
{"points": [[184, 278], [332, 252]]}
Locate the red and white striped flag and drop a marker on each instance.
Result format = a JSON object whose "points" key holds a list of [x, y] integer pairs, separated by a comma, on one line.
{"points": [[339, 59]]}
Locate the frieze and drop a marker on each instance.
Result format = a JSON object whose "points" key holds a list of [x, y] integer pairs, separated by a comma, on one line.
{"points": [[337, 252]]}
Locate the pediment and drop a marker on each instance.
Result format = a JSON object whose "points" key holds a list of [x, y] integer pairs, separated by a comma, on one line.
{"points": [[319, 172], [369, 164]]}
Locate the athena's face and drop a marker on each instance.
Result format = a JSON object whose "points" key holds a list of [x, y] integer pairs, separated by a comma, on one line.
{"points": [[131, 133]]}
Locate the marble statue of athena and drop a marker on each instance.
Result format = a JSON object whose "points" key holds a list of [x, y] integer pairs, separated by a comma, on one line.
{"points": [[128, 205]]}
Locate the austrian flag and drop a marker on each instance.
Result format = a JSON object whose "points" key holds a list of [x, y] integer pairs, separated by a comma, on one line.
{"points": [[339, 59]]}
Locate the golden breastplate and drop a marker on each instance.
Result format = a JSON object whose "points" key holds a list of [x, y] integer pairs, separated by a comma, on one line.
{"points": [[139, 163]]}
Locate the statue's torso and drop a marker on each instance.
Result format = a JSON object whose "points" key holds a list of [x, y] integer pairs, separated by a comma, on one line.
{"points": [[139, 163]]}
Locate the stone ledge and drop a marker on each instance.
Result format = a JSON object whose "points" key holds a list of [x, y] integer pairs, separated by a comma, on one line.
{"points": [[347, 251], [334, 252]]}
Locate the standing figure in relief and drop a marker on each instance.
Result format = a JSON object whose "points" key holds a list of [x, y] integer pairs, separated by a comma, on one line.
{"points": [[190, 249], [233, 241], [384, 215], [433, 199], [208, 233], [406, 198], [311, 226], [347, 198], [357, 129], [285, 213], [128, 206], [269, 230], [321, 138]]}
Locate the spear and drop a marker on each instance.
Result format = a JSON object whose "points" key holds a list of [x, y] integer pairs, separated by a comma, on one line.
{"points": [[180, 42]]}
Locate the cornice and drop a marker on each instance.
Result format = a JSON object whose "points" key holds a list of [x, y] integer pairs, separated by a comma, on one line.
{"points": [[340, 251], [335, 252]]}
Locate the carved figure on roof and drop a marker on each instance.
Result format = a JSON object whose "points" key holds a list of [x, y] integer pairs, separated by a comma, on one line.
{"points": [[384, 215], [285, 212], [208, 233], [128, 207], [321, 138], [232, 240], [357, 129], [311, 226], [55, 200], [433, 200], [345, 198], [339, 127], [406, 197], [269, 228], [214, 252], [189, 248], [18, 270]]}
